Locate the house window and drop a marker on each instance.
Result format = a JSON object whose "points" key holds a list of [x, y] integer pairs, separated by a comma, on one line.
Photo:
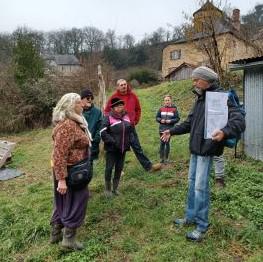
{"points": [[176, 54]]}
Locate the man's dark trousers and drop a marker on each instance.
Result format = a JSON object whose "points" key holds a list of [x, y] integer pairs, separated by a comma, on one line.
{"points": [[137, 149]]}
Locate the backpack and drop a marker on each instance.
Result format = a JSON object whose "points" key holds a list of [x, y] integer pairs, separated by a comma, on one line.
{"points": [[233, 97]]}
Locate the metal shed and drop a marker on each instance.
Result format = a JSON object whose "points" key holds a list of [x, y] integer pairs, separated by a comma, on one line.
{"points": [[253, 101]]}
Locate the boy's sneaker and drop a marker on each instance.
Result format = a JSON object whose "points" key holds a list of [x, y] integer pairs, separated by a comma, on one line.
{"points": [[195, 235], [183, 222]]}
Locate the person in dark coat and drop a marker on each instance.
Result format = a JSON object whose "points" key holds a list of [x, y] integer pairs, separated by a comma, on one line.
{"points": [[115, 133], [93, 116], [203, 150], [167, 116]]}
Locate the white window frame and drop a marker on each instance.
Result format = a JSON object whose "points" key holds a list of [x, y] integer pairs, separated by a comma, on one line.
{"points": [[175, 54]]}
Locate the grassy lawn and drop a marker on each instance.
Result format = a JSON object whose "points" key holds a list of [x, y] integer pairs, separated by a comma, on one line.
{"points": [[136, 226]]}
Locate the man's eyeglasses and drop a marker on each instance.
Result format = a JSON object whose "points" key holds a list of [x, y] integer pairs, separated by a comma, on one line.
{"points": [[123, 84], [89, 97]]}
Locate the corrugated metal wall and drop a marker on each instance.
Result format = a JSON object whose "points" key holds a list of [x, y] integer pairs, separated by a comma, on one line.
{"points": [[253, 137]]}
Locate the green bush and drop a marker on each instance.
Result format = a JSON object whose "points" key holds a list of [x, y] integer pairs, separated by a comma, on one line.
{"points": [[144, 76], [28, 64], [38, 102]]}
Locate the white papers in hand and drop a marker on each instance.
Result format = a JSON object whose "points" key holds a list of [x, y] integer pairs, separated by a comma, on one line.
{"points": [[216, 112]]}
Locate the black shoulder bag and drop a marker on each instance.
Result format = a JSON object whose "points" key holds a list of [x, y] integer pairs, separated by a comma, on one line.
{"points": [[79, 174]]}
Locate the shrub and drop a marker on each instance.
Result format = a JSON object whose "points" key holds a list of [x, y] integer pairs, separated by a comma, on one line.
{"points": [[27, 107], [134, 83], [232, 79], [30, 105], [28, 65], [143, 76], [38, 101]]}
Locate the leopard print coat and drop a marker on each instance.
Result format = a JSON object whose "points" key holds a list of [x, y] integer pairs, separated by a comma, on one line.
{"points": [[70, 145]]}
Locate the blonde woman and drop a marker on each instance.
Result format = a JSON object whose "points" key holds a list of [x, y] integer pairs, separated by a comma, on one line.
{"points": [[71, 142]]}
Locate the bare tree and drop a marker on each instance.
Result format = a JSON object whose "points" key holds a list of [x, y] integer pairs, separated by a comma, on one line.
{"points": [[76, 38], [6, 46], [178, 32], [204, 31], [93, 39], [253, 20], [59, 42], [128, 41], [252, 28], [158, 36], [111, 39]]}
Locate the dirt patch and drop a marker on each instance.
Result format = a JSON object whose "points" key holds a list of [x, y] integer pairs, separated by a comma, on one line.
{"points": [[238, 252], [167, 184]]}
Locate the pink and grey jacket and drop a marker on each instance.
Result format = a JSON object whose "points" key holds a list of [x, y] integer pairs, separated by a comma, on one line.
{"points": [[116, 132]]}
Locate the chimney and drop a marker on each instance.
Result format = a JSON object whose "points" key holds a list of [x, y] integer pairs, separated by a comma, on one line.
{"points": [[236, 19]]}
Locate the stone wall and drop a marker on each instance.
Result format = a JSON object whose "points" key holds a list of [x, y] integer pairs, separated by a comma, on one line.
{"points": [[235, 49], [189, 54]]}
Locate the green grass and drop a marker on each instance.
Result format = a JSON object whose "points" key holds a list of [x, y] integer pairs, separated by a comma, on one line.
{"points": [[136, 226]]}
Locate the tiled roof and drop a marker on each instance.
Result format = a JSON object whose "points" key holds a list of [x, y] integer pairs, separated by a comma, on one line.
{"points": [[66, 60], [63, 59]]}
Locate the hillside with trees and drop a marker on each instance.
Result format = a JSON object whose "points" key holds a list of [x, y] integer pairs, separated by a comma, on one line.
{"points": [[23, 77]]}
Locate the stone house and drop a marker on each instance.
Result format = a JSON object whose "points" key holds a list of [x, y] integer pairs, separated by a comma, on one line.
{"points": [[64, 64], [187, 51]]}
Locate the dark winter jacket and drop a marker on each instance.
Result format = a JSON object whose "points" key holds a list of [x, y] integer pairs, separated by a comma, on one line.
{"points": [[131, 104], [116, 132], [195, 124], [167, 113], [93, 116]]}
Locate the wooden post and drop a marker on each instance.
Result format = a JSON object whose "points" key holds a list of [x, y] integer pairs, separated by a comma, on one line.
{"points": [[102, 87]]}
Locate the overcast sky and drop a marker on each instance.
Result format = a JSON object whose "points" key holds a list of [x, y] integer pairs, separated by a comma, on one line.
{"points": [[136, 17]]}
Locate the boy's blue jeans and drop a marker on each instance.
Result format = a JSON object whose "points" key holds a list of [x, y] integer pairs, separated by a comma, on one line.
{"points": [[198, 199]]}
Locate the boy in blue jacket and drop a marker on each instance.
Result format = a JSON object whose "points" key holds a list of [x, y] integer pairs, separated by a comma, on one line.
{"points": [[167, 116]]}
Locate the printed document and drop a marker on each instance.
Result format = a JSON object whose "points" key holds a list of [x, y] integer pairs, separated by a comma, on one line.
{"points": [[216, 112]]}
